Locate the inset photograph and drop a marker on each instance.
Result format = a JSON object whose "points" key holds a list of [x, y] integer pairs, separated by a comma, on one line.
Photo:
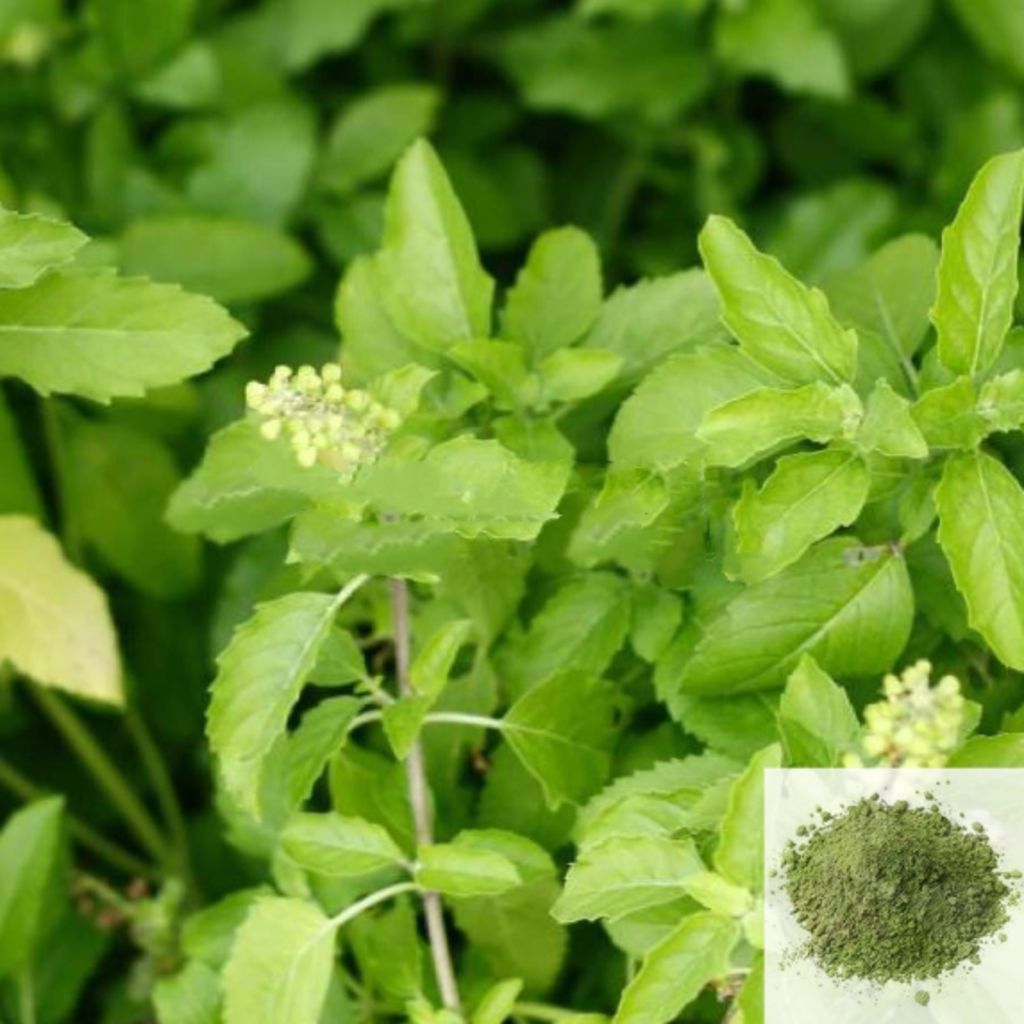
{"points": [[894, 895]]}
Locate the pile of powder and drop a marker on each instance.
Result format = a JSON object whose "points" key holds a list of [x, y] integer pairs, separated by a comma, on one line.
{"points": [[890, 892]]}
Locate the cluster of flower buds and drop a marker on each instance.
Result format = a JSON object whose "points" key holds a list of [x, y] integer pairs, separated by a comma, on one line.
{"points": [[343, 428], [917, 725]]}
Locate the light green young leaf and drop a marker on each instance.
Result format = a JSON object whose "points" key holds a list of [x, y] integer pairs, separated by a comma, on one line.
{"points": [[750, 1002], [337, 846], [228, 259], [31, 244], [55, 624], [739, 856], [656, 427], [532, 861], [373, 131], [981, 530], [461, 870], [572, 374], [657, 317], [625, 874], [246, 484], [753, 424], [433, 662], [259, 677], [102, 336], [888, 426], [429, 273], [816, 719], [1003, 751], [785, 40], [557, 295], [31, 849], [192, 996], [781, 323], [496, 1003], [280, 966], [949, 417], [807, 497], [714, 893], [852, 611], [657, 615], [886, 299], [562, 731], [677, 968], [109, 468], [978, 268], [500, 366], [1001, 402]]}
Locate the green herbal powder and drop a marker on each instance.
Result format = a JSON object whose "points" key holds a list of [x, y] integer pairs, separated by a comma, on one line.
{"points": [[890, 892]]}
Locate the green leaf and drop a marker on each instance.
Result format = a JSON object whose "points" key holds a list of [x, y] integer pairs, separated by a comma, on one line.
{"points": [[978, 268], [259, 677], [562, 730], [787, 41], [816, 719], [496, 1003], [579, 628], [500, 366], [997, 27], [625, 874], [321, 733], [259, 163], [472, 487], [31, 244], [433, 662], [656, 427], [136, 35], [280, 966], [1001, 402], [657, 615], [337, 846], [101, 336], [677, 968], [192, 996], [246, 484], [431, 282], [751, 999], [55, 624], [373, 131], [752, 425], [657, 317], [109, 468], [948, 416], [557, 295], [532, 861], [1004, 751], [739, 856], [782, 324], [228, 259], [981, 530], [806, 498], [886, 299], [31, 856], [888, 426], [460, 870], [388, 952], [851, 611], [570, 375], [653, 71]]}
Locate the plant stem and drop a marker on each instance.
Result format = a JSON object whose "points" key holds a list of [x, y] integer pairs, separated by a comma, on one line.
{"points": [[416, 779], [103, 770], [462, 718], [380, 896], [542, 1011], [163, 787], [115, 855]]}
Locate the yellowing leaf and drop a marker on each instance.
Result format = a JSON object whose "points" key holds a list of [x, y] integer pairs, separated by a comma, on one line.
{"points": [[55, 625]]}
